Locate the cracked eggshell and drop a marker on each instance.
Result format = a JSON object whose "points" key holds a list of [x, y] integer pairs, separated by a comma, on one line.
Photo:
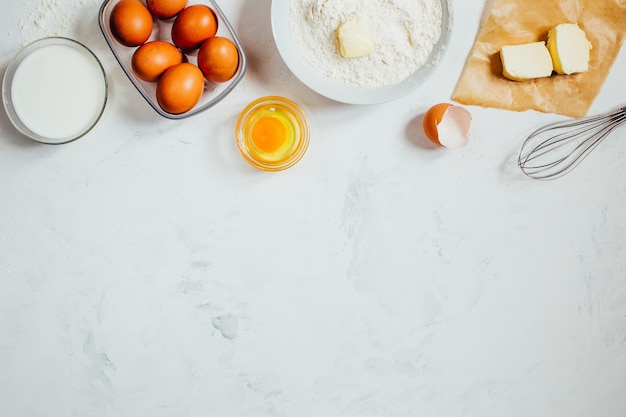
{"points": [[447, 125]]}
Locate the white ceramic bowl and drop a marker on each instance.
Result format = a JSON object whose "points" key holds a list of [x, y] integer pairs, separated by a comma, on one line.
{"points": [[337, 90]]}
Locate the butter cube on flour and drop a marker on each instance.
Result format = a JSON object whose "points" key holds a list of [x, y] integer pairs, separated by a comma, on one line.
{"points": [[354, 39], [569, 48], [526, 61]]}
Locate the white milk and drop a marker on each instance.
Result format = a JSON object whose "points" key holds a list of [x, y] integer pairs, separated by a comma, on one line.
{"points": [[58, 91]]}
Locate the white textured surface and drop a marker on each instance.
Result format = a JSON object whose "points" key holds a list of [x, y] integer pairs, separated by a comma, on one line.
{"points": [[146, 270]]}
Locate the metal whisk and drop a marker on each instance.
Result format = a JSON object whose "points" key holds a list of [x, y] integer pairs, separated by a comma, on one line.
{"points": [[555, 149]]}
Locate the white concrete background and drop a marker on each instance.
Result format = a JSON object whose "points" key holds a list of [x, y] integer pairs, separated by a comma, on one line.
{"points": [[147, 270]]}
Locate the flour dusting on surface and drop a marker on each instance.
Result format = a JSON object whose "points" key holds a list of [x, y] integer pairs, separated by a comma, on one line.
{"points": [[53, 18], [405, 33]]}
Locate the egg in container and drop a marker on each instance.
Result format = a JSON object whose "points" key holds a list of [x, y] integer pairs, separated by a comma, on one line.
{"points": [[162, 29], [272, 133]]}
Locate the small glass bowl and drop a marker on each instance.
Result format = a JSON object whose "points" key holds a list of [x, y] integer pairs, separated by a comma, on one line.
{"points": [[292, 116], [34, 128], [213, 92]]}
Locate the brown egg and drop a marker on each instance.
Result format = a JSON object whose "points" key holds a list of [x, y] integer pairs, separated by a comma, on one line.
{"points": [[194, 25], [165, 9], [153, 58], [447, 125], [218, 59], [180, 88], [131, 22]]}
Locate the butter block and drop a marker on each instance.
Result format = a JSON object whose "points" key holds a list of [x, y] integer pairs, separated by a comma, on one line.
{"points": [[526, 61], [569, 48], [354, 39]]}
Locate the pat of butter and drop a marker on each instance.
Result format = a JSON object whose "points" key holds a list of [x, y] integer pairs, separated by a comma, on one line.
{"points": [[526, 61], [354, 39], [569, 48]]}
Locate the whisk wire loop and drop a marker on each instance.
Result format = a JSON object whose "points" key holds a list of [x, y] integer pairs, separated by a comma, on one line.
{"points": [[556, 148]]}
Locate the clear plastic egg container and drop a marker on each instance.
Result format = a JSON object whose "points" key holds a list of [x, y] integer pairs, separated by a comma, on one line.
{"points": [[161, 30]]}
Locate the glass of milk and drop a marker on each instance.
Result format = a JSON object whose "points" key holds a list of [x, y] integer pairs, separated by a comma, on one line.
{"points": [[54, 90]]}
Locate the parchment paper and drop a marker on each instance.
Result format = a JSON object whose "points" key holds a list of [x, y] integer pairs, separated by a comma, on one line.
{"points": [[512, 22]]}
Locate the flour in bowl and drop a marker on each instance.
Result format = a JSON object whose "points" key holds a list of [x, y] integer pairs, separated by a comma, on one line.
{"points": [[405, 33]]}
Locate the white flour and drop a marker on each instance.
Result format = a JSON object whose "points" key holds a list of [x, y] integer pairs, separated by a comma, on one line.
{"points": [[54, 17], [405, 32]]}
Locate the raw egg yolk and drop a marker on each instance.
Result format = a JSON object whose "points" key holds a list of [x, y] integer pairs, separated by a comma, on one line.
{"points": [[269, 134]]}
